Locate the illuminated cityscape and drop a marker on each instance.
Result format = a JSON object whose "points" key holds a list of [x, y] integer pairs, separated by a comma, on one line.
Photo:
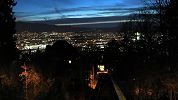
{"points": [[28, 40], [88, 50]]}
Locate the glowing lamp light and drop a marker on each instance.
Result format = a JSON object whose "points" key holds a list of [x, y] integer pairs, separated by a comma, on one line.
{"points": [[101, 67], [70, 61]]}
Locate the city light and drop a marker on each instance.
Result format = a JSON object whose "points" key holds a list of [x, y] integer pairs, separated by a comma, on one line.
{"points": [[138, 35], [41, 46], [32, 40]]}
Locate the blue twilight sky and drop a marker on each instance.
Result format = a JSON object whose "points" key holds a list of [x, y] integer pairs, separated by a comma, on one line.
{"points": [[36, 10]]}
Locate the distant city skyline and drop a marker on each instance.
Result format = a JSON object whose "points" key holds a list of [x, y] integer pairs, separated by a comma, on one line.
{"points": [[40, 10]]}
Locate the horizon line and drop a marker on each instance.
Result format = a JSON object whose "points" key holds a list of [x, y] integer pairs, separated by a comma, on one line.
{"points": [[98, 22]]}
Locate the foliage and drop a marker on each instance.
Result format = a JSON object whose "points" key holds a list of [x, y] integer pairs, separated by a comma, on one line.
{"points": [[155, 88], [34, 84]]}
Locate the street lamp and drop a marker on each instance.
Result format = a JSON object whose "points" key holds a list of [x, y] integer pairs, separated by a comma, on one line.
{"points": [[70, 61]]}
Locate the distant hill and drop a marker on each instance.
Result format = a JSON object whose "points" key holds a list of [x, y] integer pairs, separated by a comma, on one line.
{"points": [[40, 27], [49, 25]]}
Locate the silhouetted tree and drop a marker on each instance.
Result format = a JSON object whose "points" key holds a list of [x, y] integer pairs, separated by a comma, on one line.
{"points": [[154, 12], [111, 53], [7, 29], [156, 25], [58, 55], [61, 63], [171, 18]]}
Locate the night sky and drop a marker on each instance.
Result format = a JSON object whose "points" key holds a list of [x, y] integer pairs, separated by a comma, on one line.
{"points": [[38, 10]]}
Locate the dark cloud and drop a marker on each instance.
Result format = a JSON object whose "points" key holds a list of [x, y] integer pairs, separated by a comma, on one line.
{"points": [[65, 13], [120, 13], [120, 10], [23, 14]]}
